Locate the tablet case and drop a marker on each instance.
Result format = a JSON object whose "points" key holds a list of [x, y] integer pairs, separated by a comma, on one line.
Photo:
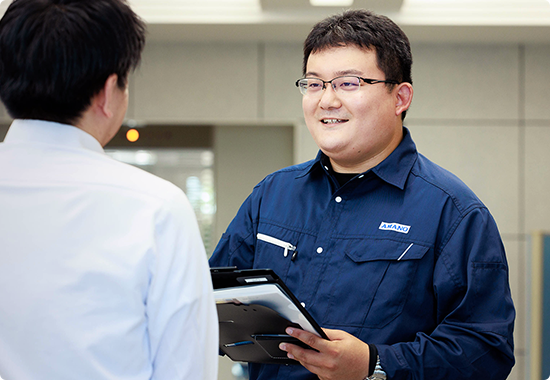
{"points": [[252, 333]]}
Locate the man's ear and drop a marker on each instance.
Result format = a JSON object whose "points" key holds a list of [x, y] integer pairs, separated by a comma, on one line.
{"points": [[404, 95], [103, 100]]}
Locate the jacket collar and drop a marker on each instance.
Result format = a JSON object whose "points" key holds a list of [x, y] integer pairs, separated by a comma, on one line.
{"points": [[394, 169]]}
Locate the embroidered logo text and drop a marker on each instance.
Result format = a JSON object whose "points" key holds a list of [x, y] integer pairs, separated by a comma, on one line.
{"points": [[395, 227]]}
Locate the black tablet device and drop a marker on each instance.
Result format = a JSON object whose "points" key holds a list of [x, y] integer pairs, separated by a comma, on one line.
{"points": [[254, 309]]}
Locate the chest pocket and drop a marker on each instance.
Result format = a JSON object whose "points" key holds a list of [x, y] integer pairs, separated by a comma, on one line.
{"points": [[275, 248], [373, 282]]}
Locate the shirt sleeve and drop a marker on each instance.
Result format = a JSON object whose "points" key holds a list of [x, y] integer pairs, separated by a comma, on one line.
{"points": [[236, 246], [475, 313], [180, 307]]}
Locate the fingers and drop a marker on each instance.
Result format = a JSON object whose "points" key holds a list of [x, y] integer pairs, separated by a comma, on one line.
{"points": [[307, 357], [342, 357], [308, 338]]}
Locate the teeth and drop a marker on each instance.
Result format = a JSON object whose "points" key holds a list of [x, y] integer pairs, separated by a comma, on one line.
{"points": [[332, 121]]}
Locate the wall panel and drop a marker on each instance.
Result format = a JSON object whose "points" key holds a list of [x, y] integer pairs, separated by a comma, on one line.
{"points": [[197, 83]]}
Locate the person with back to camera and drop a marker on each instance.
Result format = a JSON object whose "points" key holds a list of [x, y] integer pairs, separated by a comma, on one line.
{"points": [[395, 257], [103, 274]]}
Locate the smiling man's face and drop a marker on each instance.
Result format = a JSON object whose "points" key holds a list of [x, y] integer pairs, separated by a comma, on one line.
{"points": [[355, 130]]}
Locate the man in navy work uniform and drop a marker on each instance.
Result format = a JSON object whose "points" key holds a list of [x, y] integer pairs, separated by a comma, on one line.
{"points": [[395, 257]]}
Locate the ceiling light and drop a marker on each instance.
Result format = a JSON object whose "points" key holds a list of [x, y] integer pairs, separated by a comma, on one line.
{"points": [[332, 3]]}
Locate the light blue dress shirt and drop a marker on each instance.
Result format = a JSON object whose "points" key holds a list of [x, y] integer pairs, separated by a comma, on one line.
{"points": [[103, 274]]}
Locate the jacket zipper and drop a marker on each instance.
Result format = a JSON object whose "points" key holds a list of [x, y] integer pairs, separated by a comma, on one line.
{"points": [[283, 244]]}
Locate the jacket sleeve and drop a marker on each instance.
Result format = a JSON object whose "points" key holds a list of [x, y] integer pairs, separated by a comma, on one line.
{"points": [[236, 246], [475, 313]]}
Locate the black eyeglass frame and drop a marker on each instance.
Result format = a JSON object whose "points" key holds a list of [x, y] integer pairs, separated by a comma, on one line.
{"points": [[366, 80]]}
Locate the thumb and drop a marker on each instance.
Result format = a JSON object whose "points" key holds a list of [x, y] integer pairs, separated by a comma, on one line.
{"points": [[335, 334]]}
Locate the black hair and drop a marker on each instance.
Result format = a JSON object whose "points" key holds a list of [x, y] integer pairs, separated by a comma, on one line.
{"points": [[367, 30], [55, 55]]}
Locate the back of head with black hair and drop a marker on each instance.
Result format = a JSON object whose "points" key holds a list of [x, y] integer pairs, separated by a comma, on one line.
{"points": [[366, 30], [55, 55]]}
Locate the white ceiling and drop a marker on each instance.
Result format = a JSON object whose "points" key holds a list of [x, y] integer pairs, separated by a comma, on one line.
{"points": [[516, 21]]}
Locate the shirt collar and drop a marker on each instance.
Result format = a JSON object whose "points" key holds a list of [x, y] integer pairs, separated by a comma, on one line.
{"points": [[51, 133], [394, 169], [308, 167]]}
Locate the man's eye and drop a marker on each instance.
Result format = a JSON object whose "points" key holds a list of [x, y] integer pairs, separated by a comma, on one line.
{"points": [[348, 84]]}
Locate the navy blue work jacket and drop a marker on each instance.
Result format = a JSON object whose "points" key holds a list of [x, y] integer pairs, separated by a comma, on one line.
{"points": [[403, 256]]}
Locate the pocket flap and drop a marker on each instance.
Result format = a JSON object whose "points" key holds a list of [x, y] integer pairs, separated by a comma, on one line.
{"points": [[372, 250]]}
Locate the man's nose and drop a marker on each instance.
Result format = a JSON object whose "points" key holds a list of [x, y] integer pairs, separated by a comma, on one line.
{"points": [[329, 98]]}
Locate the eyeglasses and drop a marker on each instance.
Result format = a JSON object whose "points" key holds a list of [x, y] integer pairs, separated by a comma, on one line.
{"points": [[343, 84]]}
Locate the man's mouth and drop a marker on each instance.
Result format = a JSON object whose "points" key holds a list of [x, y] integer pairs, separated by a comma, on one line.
{"points": [[333, 121]]}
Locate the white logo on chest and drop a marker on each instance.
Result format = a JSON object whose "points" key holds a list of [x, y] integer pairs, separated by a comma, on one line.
{"points": [[394, 227]]}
